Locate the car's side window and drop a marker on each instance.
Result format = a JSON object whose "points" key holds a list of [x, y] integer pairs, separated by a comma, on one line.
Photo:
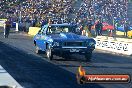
{"points": [[49, 30], [39, 32], [42, 30]]}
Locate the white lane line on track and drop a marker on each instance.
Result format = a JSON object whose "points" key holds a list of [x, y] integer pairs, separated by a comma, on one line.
{"points": [[7, 80]]}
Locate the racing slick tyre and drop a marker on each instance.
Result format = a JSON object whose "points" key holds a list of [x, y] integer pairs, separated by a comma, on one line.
{"points": [[49, 53], [38, 51], [88, 56]]}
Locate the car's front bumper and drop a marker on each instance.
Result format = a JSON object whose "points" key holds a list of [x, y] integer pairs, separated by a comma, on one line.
{"points": [[72, 50]]}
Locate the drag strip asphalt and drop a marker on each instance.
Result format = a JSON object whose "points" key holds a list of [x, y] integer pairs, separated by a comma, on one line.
{"points": [[17, 56]]}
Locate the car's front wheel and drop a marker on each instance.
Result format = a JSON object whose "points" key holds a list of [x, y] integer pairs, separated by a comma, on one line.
{"points": [[88, 56], [49, 53], [37, 50]]}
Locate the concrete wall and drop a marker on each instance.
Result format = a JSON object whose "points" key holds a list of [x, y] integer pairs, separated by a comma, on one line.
{"points": [[124, 46]]}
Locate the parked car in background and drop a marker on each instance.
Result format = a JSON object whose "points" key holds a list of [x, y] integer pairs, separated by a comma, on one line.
{"points": [[62, 40], [121, 28], [106, 26]]}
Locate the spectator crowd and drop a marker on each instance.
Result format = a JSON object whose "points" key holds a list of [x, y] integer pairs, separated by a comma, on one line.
{"points": [[25, 10], [39, 12], [105, 10]]}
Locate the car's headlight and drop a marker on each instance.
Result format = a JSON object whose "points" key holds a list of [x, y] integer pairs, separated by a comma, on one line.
{"points": [[56, 44], [91, 44]]}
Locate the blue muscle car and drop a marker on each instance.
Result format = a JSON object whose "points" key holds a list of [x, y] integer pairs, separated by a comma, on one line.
{"points": [[63, 40]]}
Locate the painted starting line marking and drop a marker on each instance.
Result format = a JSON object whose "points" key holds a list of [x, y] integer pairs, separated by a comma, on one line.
{"points": [[7, 80]]}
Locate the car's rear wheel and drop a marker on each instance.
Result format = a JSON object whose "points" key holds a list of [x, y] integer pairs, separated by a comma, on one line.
{"points": [[38, 51], [88, 56], [49, 53]]}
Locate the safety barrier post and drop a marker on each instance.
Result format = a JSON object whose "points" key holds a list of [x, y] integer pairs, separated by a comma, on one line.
{"points": [[17, 27]]}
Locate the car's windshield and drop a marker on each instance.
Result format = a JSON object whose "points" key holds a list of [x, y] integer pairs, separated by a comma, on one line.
{"points": [[60, 29]]}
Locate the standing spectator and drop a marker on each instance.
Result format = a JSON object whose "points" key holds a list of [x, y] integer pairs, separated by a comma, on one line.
{"points": [[24, 26], [116, 25], [97, 28], [101, 28], [86, 31], [81, 28], [27, 26], [20, 26], [126, 28], [115, 29], [34, 23], [89, 26], [7, 28]]}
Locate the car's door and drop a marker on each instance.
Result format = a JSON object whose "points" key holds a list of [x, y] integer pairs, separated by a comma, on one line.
{"points": [[38, 37]]}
